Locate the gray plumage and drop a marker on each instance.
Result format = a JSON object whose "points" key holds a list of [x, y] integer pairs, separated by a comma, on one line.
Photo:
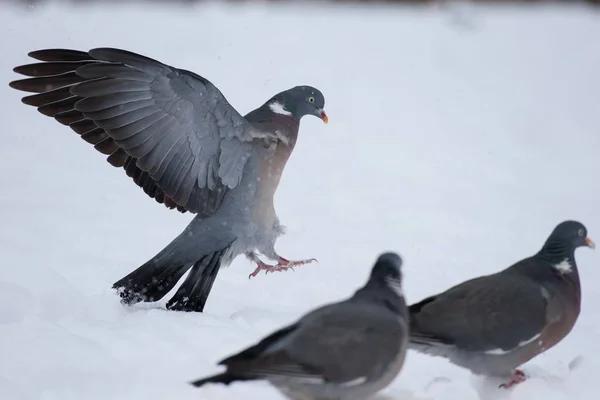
{"points": [[176, 135], [345, 351], [493, 324]]}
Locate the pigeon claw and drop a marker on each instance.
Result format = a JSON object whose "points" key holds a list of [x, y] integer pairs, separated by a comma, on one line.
{"points": [[282, 265], [287, 263], [517, 377]]}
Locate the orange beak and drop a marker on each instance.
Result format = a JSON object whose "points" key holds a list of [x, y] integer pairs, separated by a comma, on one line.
{"points": [[324, 117], [589, 243]]}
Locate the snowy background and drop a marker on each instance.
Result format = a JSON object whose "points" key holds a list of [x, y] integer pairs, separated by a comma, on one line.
{"points": [[457, 137]]}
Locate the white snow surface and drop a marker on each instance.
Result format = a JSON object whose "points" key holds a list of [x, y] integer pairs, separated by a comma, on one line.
{"points": [[457, 137]]}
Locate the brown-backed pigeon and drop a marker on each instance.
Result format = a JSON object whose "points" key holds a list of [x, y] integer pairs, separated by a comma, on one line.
{"points": [[178, 138], [344, 351], [493, 324]]}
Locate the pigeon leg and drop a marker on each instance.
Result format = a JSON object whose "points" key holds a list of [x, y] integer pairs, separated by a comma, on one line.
{"points": [[261, 265], [517, 377], [282, 264]]}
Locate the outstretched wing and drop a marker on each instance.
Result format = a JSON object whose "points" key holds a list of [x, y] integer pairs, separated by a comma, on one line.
{"points": [[171, 130]]}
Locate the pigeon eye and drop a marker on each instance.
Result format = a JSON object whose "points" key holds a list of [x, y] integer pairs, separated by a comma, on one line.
{"points": [[311, 99], [580, 232]]}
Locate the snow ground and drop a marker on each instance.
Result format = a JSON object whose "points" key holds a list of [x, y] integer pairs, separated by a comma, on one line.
{"points": [[457, 141]]}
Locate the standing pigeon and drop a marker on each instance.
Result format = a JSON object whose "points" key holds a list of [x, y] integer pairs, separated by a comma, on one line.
{"points": [[495, 323], [345, 351], [177, 137]]}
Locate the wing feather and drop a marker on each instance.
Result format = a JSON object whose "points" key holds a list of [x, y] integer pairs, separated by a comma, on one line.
{"points": [[364, 336], [481, 314], [171, 130]]}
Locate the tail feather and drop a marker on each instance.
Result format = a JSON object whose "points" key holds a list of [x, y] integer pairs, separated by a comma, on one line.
{"points": [[193, 293], [153, 280], [426, 343], [423, 341], [427, 340], [224, 378], [150, 282], [431, 347]]}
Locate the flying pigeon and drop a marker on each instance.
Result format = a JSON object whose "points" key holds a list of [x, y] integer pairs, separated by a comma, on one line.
{"points": [[493, 324], [174, 133], [348, 350]]}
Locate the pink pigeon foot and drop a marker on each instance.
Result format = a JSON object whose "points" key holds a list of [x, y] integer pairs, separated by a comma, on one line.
{"points": [[517, 377], [282, 265]]}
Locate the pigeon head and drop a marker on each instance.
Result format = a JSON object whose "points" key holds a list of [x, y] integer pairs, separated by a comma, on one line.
{"points": [[298, 102], [384, 286], [571, 234], [560, 246], [386, 273]]}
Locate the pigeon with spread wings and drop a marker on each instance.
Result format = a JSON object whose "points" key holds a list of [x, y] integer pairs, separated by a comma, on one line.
{"points": [[174, 133]]}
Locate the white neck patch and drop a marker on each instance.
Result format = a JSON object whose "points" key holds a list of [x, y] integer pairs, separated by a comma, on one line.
{"points": [[278, 108], [395, 285], [564, 267]]}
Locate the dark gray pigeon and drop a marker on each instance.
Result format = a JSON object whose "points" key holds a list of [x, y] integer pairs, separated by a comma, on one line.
{"points": [[345, 351], [178, 138], [493, 324]]}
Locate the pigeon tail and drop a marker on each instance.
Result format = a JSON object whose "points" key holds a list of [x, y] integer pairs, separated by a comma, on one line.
{"points": [[420, 339], [224, 378], [153, 280]]}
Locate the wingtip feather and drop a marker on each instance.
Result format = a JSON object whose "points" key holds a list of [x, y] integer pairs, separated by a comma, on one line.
{"points": [[59, 55], [14, 84]]}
